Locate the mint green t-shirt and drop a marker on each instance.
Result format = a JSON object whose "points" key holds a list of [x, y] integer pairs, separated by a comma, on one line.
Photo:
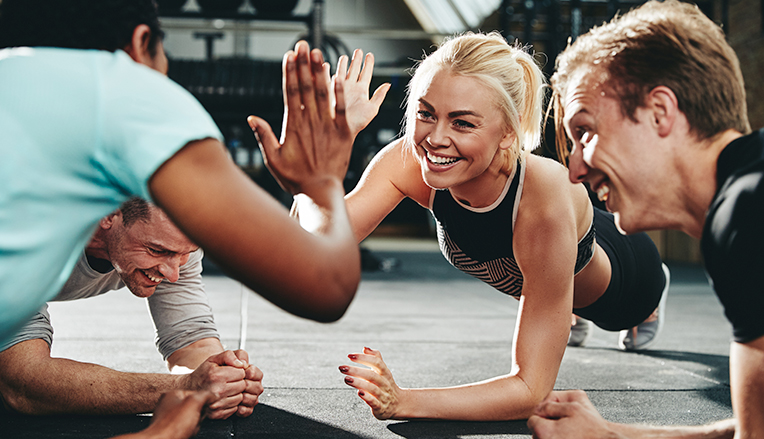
{"points": [[80, 132]]}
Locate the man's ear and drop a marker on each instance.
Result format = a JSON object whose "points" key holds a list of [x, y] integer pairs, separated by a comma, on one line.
{"points": [[663, 104], [110, 220], [138, 49]]}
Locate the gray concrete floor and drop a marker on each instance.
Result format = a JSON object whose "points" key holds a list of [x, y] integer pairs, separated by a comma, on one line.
{"points": [[435, 327]]}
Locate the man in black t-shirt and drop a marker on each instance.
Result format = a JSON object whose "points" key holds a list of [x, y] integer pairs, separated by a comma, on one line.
{"points": [[654, 109]]}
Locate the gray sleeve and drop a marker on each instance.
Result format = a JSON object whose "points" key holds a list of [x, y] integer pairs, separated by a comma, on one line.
{"points": [[37, 327], [181, 311]]}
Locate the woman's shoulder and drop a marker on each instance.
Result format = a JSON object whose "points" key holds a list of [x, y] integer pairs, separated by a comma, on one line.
{"points": [[546, 174], [398, 163], [547, 188]]}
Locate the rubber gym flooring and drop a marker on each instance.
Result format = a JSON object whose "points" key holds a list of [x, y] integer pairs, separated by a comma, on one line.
{"points": [[434, 326]]}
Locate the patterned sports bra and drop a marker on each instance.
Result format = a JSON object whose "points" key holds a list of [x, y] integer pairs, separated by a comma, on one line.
{"points": [[478, 242]]}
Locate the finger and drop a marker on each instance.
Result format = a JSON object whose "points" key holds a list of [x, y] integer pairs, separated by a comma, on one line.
{"points": [[252, 373], [342, 65], [222, 414], [244, 411], [365, 386], [364, 374], [355, 65], [555, 410], [379, 95], [290, 83], [322, 82], [340, 119], [370, 400], [305, 78], [249, 399], [536, 425], [226, 403], [242, 355], [253, 387], [368, 68]]}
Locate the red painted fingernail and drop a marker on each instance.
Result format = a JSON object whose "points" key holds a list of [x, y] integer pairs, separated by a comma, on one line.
{"points": [[349, 380], [344, 369], [353, 356], [361, 393]]}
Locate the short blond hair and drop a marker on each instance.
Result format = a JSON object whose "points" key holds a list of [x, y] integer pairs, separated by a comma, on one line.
{"points": [[510, 72], [667, 43]]}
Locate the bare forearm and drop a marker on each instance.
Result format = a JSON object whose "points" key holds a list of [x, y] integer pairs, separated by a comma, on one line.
{"points": [[719, 430], [499, 399], [255, 240], [191, 356], [65, 386]]}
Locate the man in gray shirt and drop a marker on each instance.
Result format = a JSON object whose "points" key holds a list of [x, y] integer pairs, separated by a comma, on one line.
{"points": [[139, 247]]}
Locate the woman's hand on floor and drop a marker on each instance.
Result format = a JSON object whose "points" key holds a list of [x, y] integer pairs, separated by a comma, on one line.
{"points": [[376, 385]]}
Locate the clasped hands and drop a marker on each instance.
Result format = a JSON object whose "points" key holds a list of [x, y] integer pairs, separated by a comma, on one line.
{"points": [[235, 384]]}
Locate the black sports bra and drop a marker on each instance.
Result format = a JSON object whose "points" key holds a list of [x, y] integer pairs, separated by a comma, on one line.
{"points": [[478, 242]]}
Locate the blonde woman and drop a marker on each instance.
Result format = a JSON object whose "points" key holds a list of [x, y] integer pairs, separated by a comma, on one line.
{"points": [[510, 218]]}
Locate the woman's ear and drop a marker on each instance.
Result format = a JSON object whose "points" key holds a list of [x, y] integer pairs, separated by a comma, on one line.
{"points": [[508, 140], [138, 49]]}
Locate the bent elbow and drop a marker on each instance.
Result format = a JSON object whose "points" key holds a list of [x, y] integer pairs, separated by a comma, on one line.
{"points": [[18, 403], [332, 301]]}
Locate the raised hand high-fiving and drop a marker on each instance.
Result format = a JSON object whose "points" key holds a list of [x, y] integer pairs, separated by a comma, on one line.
{"points": [[316, 141]]}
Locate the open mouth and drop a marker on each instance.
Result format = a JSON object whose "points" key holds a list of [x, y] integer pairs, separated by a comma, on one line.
{"points": [[603, 191], [151, 278], [438, 160]]}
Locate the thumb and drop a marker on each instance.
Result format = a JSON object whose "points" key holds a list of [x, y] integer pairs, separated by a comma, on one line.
{"points": [[553, 410], [227, 358], [379, 94], [267, 140]]}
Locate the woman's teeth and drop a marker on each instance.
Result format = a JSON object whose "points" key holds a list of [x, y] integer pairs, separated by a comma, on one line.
{"points": [[603, 192], [152, 278], [441, 160]]}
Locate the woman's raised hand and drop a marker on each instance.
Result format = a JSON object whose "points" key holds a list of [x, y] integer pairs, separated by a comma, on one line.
{"points": [[360, 109], [375, 385]]}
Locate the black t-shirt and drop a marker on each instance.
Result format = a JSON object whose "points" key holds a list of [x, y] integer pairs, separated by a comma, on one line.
{"points": [[733, 236]]}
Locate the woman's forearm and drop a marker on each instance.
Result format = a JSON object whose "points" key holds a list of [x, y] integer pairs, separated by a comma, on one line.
{"points": [[499, 399]]}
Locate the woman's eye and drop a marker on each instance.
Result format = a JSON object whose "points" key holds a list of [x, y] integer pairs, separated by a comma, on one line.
{"points": [[424, 114], [463, 124]]}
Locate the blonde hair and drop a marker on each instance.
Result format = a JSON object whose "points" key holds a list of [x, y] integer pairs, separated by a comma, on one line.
{"points": [[511, 73]]}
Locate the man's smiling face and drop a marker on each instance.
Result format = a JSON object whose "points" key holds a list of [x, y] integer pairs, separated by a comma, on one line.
{"points": [[618, 156], [145, 253]]}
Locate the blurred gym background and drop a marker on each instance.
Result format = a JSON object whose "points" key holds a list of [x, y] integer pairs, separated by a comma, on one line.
{"points": [[228, 54]]}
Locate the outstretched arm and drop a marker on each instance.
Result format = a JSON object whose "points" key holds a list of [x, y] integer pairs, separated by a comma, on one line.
{"points": [[34, 383], [248, 232], [543, 324], [570, 415]]}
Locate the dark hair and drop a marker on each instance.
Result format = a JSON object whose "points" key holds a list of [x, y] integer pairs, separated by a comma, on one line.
{"points": [[135, 209], [77, 24], [666, 43]]}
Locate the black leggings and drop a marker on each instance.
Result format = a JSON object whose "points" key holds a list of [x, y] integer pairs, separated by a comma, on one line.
{"points": [[636, 282]]}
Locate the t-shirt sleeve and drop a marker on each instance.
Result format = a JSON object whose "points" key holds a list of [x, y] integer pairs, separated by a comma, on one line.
{"points": [[734, 254], [146, 119], [181, 311], [37, 327]]}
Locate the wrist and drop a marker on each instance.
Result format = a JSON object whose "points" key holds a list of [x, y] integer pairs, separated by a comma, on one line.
{"points": [[318, 189], [404, 407]]}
